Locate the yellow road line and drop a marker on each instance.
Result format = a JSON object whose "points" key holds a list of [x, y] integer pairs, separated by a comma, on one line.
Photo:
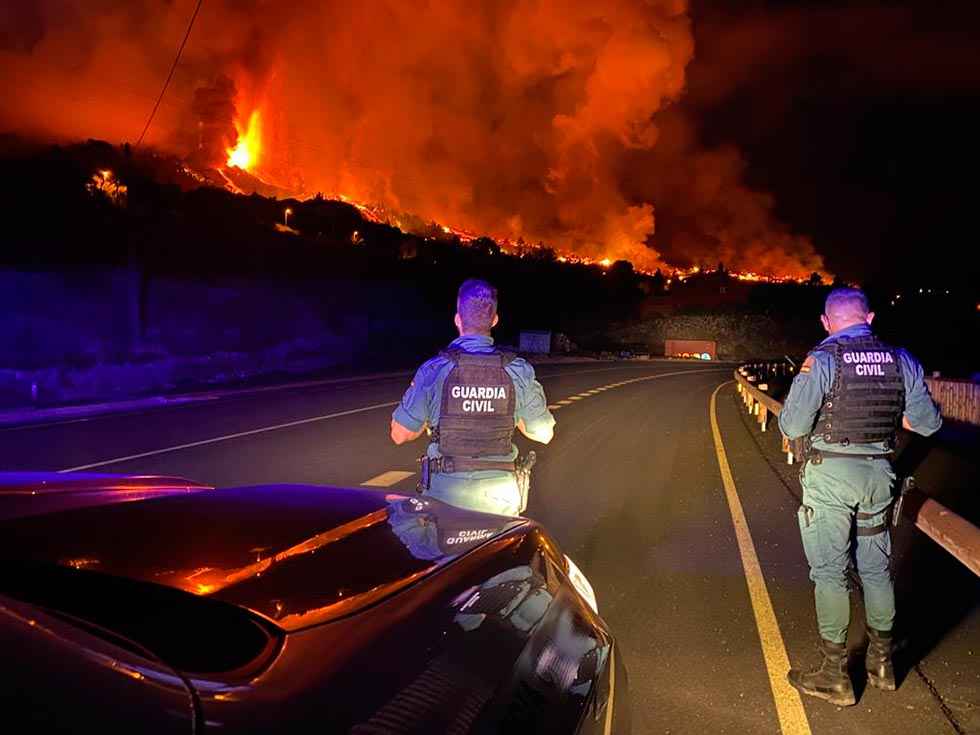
{"points": [[789, 707], [387, 479], [607, 728], [565, 403]]}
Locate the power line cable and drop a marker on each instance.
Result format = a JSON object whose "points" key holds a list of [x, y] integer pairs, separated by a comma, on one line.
{"points": [[173, 68]]}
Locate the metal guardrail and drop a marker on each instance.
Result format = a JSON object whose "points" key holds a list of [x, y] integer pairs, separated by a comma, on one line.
{"points": [[959, 400], [955, 534], [758, 402]]}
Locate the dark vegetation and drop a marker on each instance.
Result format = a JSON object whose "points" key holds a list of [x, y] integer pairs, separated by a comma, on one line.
{"points": [[204, 270]]}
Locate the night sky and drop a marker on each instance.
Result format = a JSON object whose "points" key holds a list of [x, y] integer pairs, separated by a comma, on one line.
{"points": [[776, 136], [860, 119]]}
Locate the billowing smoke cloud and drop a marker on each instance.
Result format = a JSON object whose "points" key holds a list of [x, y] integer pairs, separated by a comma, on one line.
{"points": [[214, 107], [543, 119], [797, 81], [707, 213]]}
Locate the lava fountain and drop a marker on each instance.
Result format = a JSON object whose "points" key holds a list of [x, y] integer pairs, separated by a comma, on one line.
{"points": [[245, 154]]}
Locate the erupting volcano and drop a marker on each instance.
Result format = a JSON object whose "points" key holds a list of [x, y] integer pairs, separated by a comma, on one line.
{"points": [[245, 153], [541, 121]]}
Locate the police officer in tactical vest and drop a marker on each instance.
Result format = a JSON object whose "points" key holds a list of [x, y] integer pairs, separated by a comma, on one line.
{"points": [[847, 402], [470, 398]]}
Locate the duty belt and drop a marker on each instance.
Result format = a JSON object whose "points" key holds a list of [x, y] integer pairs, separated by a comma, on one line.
{"points": [[816, 456], [468, 464], [430, 465]]}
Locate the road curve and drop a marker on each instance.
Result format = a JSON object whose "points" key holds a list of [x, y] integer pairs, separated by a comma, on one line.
{"points": [[631, 487]]}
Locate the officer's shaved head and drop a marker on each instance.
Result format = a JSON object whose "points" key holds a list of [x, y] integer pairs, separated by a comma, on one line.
{"points": [[846, 307], [476, 307]]}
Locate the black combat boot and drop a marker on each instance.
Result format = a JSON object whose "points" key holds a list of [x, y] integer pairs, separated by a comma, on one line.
{"points": [[878, 660], [830, 679]]}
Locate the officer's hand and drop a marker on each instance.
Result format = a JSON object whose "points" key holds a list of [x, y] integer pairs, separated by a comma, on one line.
{"points": [[543, 435], [400, 435]]}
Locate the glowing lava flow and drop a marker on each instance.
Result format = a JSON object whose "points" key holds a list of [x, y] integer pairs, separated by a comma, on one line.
{"points": [[245, 154], [521, 249]]}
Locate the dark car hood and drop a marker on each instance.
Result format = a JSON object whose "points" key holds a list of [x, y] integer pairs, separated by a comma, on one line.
{"points": [[38, 493], [296, 555]]}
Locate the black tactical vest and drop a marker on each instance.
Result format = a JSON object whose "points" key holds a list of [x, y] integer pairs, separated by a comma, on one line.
{"points": [[476, 418], [867, 397]]}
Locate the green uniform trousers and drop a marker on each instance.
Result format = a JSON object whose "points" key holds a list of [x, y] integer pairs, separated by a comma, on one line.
{"points": [[841, 496]]}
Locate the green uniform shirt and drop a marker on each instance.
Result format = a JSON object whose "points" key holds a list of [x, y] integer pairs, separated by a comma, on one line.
{"points": [[815, 380]]}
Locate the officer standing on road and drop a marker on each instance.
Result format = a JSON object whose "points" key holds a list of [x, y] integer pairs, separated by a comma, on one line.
{"points": [[850, 396], [471, 397]]}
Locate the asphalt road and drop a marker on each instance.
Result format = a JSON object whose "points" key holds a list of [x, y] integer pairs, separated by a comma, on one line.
{"points": [[631, 488]]}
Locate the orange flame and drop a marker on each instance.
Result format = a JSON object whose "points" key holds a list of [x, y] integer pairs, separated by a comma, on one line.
{"points": [[245, 154]]}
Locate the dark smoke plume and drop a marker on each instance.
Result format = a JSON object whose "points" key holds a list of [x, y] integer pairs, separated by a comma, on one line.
{"points": [[214, 107], [543, 119]]}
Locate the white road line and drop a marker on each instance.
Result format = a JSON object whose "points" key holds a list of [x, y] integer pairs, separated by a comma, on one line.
{"points": [[789, 707], [570, 373], [387, 479], [196, 399], [227, 437], [594, 391], [554, 406], [314, 419]]}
